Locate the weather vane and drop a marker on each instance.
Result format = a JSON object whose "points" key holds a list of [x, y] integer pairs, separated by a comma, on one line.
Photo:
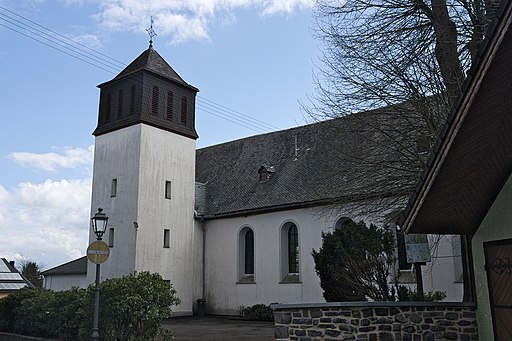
{"points": [[151, 33]]}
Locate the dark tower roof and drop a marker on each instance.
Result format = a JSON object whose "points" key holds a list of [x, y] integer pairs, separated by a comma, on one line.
{"points": [[147, 91], [151, 61]]}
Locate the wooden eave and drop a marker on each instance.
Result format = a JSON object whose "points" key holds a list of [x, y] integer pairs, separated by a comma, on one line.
{"points": [[473, 158]]}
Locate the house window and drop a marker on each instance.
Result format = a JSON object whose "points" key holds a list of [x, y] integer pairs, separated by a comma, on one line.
{"points": [[154, 101], [167, 190], [184, 110], [113, 188], [111, 237], [167, 238], [120, 96], [170, 103], [108, 109], [293, 249], [133, 93]]}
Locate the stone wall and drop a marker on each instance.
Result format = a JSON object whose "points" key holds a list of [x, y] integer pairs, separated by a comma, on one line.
{"points": [[376, 321], [14, 337]]}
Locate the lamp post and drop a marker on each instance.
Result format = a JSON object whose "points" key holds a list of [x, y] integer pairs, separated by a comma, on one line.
{"points": [[99, 226]]}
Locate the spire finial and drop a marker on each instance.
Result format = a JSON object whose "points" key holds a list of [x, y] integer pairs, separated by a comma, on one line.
{"points": [[151, 33]]}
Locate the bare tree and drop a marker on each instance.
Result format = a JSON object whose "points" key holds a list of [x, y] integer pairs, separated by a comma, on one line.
{"points": [[399, 64], [380, 53]]}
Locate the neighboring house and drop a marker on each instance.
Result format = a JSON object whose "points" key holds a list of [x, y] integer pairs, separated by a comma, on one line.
{"points": [[10, 279], [68, 275], [233, 223], [467, 188]]}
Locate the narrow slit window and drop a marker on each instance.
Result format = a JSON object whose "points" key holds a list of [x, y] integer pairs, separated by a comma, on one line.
{"points": [[108, 109], [111, 237], [154, 101], [170, 103], [167, 238], [120, 98], [113, 188], [184, 109], [133, 93], [167, 190]]}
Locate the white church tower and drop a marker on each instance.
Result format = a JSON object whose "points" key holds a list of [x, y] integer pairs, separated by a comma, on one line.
{"points": [[144, 175]]}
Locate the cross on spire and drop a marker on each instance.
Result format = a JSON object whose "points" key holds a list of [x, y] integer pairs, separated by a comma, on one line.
{"points": [[151, 33]]}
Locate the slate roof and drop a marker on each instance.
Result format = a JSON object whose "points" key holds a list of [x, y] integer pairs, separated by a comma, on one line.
{"points": [[151, 61], [74, 267], [10, 279], [314, 174]]}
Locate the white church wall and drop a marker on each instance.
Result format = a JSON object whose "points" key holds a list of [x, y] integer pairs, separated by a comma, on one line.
{"points": [[116, 156], [142, 158], [444, 273], [168, 157], [226, 293]]}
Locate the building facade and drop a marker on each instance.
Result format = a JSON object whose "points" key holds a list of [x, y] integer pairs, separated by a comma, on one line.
{"points": [[234, 223]]}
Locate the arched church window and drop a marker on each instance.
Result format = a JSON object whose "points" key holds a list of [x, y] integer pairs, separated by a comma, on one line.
{"points": [[120, 99], [293, 249], [184, 109], [249, 253], [133, 93], [154, 100], [246, 255], [170, 103], [289, 253]]}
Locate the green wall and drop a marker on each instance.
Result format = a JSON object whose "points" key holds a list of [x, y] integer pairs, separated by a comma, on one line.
{"points": [[496, 225]]}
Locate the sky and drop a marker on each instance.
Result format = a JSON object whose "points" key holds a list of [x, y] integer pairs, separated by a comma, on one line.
{"points": [[253, 61]]}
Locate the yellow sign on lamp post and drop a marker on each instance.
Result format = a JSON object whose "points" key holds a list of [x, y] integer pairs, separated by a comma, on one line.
{"points": [[98, 252]]}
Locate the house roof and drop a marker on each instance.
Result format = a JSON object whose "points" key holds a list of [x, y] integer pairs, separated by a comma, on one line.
{"points": [[473, 158], [10, 279], [308, 163], [74, 267], [151, 61]]}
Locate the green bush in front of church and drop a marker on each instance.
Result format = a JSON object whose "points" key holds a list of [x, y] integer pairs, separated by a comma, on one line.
{"points": [[353, 263], [131, 308]]}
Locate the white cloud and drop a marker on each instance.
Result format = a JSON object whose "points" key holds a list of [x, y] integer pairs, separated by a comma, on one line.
{"points": [[183, 20], [47, 222], [50, 162], [90, 40]]}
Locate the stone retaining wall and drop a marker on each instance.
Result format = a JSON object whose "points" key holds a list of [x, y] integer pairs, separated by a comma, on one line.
{"points": [[15, 337], [375, 321]]}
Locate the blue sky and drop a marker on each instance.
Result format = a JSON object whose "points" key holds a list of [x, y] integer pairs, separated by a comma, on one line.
{"points": [[253, 56]]}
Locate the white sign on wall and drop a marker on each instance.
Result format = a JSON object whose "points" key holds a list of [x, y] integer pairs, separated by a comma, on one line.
{"points": [[417, 248]]}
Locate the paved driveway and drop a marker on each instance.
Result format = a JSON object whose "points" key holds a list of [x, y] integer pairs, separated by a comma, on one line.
{"points": [[217, 328]]}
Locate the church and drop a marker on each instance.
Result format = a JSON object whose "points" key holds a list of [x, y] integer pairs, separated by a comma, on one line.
{"points": [[235, 223]]}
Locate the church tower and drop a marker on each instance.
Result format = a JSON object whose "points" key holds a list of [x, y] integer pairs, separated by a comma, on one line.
{"points": [[144, 175]]}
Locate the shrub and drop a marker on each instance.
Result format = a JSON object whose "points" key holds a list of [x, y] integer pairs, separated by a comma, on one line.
{"points": [[258, 312], [406, 294], [353, 263], [131, 308]]}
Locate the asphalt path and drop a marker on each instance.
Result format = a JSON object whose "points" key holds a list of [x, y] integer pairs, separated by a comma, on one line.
{"points": [[219, 328]]}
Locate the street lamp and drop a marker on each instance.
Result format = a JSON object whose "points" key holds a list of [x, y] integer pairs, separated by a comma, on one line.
{"points": [[99, 226], [99, 223]]}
